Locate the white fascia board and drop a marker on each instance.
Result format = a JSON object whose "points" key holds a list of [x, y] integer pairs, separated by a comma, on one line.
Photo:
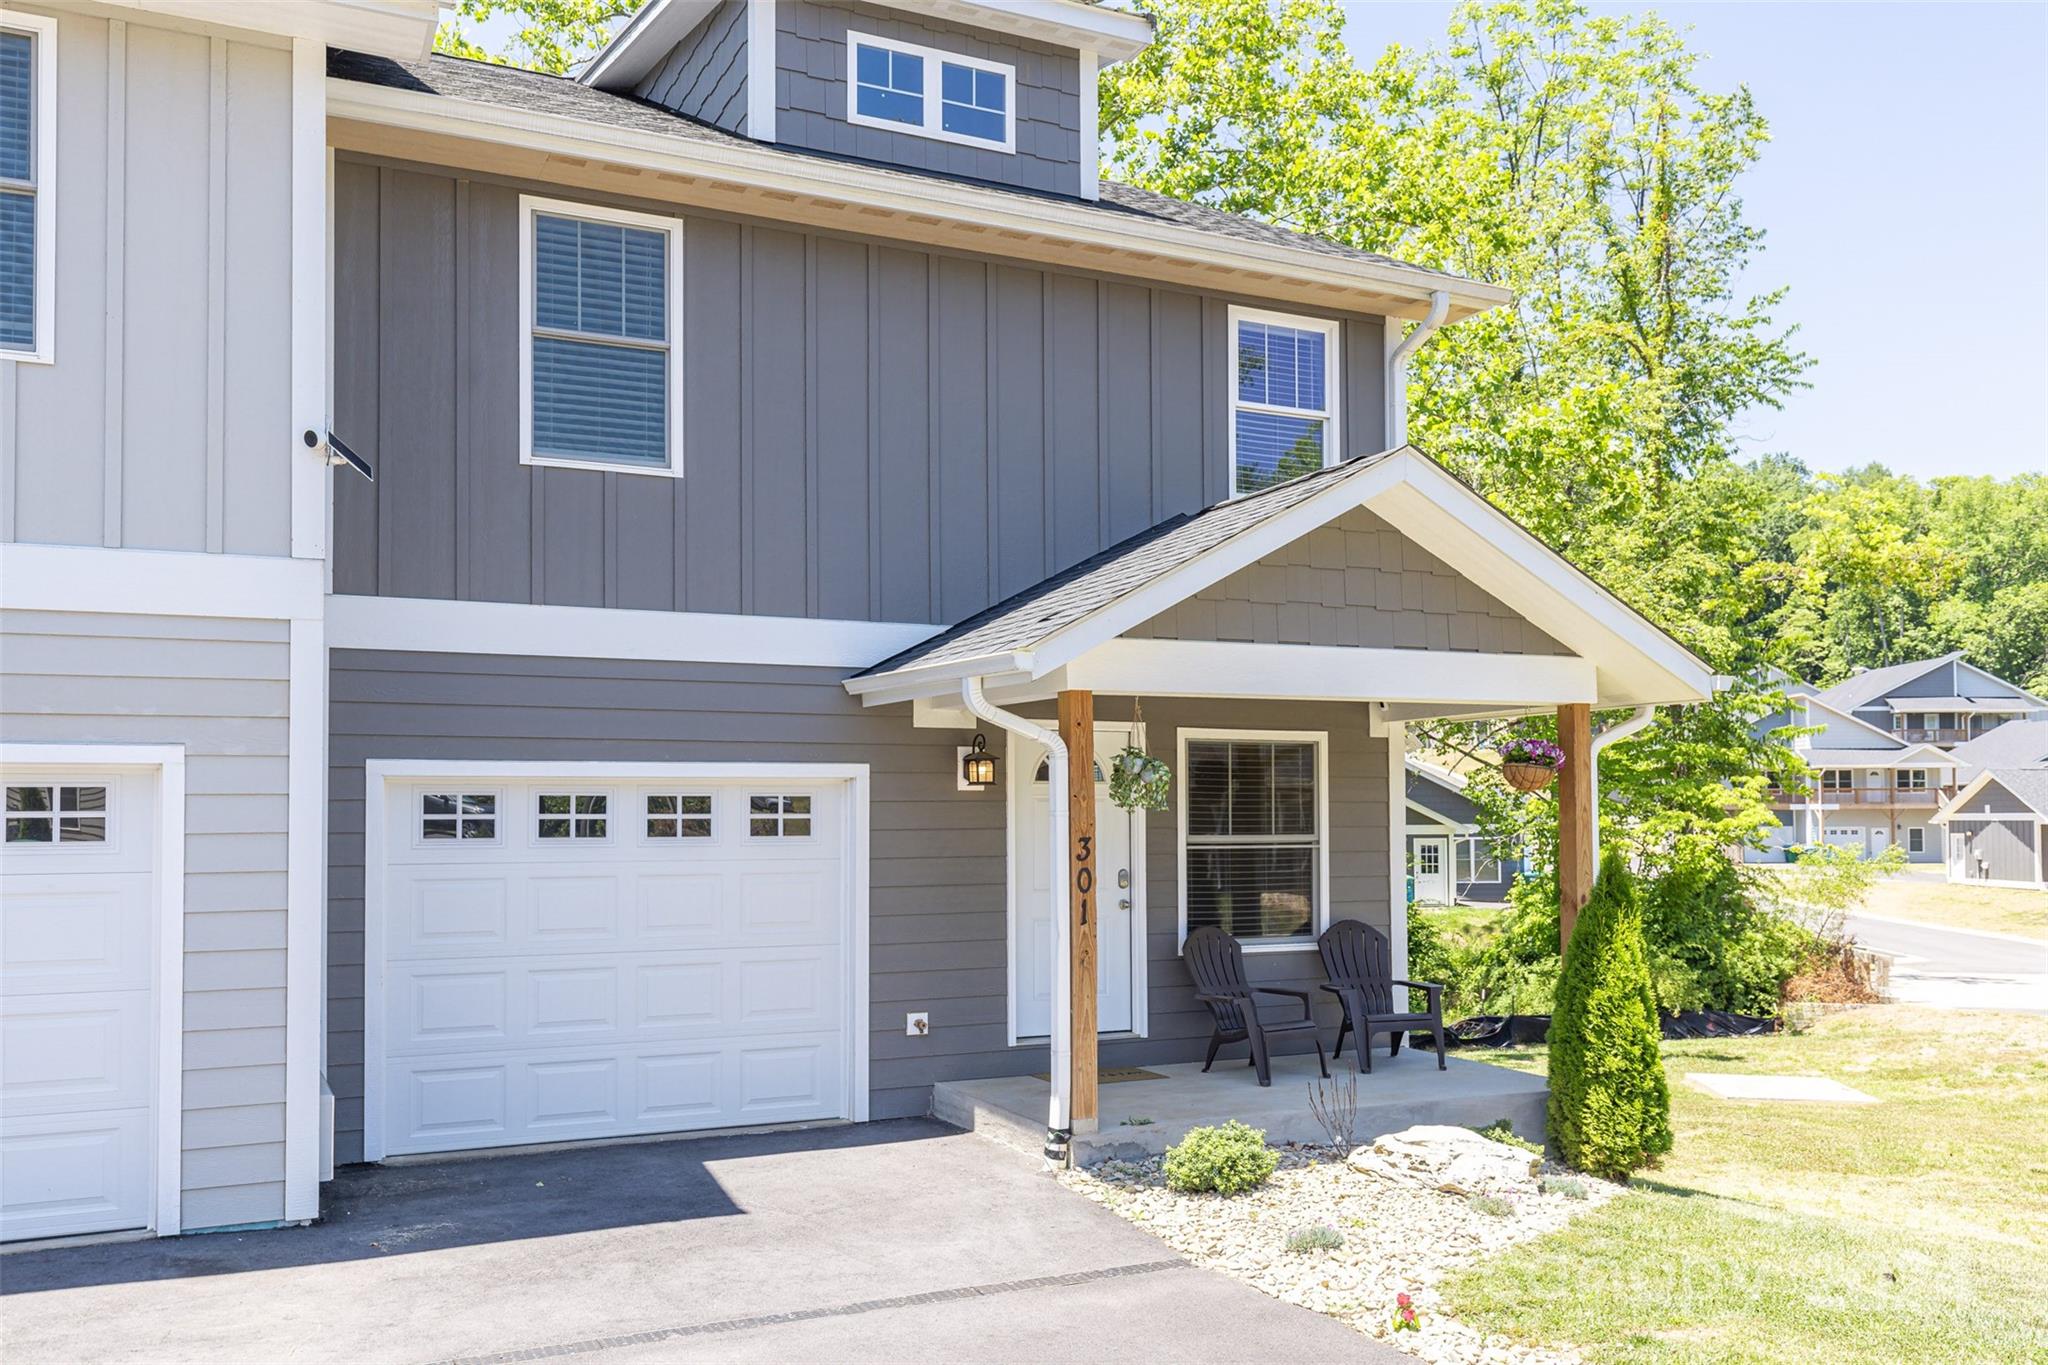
{"points": [[1204, 668], [159, 582], [1646, 666], [761, 70], [649, 36], [401, 29], [1856, 721], [434, 625], [892, 194], [1954, 809]]}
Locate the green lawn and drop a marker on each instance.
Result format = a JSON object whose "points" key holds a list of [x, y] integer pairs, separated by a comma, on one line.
{"points": [[1999, 909], [1912, 1230]]}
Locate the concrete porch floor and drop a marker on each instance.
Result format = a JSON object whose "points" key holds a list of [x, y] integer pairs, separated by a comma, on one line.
{"points": [[1400, 1093]]}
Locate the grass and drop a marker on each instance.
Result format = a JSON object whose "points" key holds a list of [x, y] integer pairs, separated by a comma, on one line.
{"points": [[1911, 1230], [1998, 909]]}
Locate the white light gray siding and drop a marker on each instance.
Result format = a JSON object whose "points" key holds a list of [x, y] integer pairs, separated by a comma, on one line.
{"points": [[871, 432], [165, 421], [219, 688], [1356, 582], [937, 905]]}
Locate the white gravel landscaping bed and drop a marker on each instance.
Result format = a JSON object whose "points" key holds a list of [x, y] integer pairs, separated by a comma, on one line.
{"points": [[1398, 1238]]}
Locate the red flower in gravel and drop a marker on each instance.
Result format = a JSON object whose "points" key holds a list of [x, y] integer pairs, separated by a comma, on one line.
{"points": [[1403, 1300]]}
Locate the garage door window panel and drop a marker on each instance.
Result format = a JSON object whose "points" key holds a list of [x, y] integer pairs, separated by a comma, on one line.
{"points": [[678, 816], [780, 816], [464, 817], [576, 816], [39, 814]]}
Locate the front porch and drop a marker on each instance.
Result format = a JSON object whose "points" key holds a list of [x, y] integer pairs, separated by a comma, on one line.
{"points": [[1401, 1091]]}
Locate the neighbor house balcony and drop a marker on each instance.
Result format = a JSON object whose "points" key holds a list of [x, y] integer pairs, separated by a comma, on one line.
{"points": [[1782, 799], [1940, 734]]}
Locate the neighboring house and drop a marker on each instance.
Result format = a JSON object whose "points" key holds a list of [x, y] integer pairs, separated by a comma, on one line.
{"points": [[1449, 859], [2016, 744], [1998, 828], [1933, 701], [752, 425], [1861, 787]]}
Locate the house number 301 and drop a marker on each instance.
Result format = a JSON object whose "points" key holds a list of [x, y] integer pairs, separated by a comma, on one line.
{"points": [[1084, 875]]}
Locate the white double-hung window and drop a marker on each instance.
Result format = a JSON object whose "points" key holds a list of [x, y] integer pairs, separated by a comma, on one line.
{"points": [[1283, 398], [28, 184], [600, 306], [928, 93]]}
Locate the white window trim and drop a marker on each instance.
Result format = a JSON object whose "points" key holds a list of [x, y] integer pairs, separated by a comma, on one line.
{"points": [[781, 817], [681, 791], [1332, 331], [1320, 911], [420, 816], [530, 208], [1477, 850], [42, 29], [572, 839], [934, 96]]}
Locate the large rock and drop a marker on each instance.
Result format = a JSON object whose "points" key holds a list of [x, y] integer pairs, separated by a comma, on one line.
{"points": [[1453, 1159]]}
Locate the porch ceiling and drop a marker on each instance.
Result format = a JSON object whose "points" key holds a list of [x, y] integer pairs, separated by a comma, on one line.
{"points": [[1068, 631]]}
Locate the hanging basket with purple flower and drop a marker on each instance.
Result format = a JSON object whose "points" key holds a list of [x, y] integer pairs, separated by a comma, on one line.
{"points": [[1530, 764]]}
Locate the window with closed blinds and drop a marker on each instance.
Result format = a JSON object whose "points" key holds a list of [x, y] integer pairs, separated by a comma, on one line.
{"points": [[601, 378], [1251, 856], [1282, 410], [18, 185]]}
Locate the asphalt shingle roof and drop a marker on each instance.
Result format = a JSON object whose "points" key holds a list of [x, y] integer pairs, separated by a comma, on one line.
{"points": [[2028, 784], [1022, 621], [516, 88], [2015, 744], [1873, 683]]}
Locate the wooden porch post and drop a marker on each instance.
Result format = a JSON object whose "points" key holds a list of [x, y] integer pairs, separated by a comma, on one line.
{"points": [[1077, 728], [1575, 817]]}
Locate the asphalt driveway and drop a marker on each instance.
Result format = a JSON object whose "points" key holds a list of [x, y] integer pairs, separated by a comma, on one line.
{"points": [[901, 1241]]}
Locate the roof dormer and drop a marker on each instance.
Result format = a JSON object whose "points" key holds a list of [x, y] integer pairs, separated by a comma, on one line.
{"points": [[1001, 91]]}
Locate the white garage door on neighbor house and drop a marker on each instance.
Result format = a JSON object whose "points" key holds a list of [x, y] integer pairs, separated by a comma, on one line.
{"points": [[557, 958], [77, 990]]}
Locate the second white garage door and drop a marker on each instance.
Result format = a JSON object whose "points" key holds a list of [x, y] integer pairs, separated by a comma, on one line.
{"points": [[566, 959]]}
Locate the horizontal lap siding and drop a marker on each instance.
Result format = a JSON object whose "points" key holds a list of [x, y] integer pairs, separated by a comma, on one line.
{"points": [[870, 432], [938, 919], [218, 687]]}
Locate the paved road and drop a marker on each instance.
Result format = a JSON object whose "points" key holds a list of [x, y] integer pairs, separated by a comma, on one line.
{"points": [[903, 1241], [1954, 969]]}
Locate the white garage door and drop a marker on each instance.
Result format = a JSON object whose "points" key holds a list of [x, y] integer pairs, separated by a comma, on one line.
{"points": [[77, 954], [580, 959]]}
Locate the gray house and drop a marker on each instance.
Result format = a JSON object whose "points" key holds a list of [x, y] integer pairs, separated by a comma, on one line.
{"points": [[1857, 787], [1942, 701], [1449, 859], [1998, 828], [768, 430]]}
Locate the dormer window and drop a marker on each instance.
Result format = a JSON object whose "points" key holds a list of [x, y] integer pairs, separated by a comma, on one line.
{"points": [[928, 93]]}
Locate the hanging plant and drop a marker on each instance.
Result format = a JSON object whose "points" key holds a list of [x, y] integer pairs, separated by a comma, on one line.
{"points": [[1139, 781], [1530, 764]]}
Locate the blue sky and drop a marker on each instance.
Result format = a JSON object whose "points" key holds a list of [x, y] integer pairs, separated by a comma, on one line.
{"points": [[1905, 194]]}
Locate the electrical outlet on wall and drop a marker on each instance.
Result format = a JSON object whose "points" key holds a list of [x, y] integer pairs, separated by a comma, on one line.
{"points": [[917, 1024]]}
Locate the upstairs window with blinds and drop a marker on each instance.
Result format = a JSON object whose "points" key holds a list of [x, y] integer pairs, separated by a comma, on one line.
{"points": [[1252, 855], [1283, 414], [27, 208], [601, 313]]}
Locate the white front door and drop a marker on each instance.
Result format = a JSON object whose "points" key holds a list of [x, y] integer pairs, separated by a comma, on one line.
{"points": [[1880, 840], [77, 967], [1432, 871], [1118, 951], [583, 958]]}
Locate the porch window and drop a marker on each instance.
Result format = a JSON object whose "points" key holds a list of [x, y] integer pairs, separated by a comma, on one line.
{"points": [[27, 184], [1836, 780], [599, 377], [1916, 839], [1477, 861], [1913, 779], [1252, 836], [1282, 398]]}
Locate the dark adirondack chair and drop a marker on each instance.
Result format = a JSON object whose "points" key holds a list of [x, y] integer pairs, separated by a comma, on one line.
{"points": [[1216, 961], [1361, 971]]}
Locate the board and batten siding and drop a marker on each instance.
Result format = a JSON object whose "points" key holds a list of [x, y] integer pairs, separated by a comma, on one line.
{"points": [[218, 687], [871, 432], [164, 422], [2000, 850], [937, 904], [1356, 582]]}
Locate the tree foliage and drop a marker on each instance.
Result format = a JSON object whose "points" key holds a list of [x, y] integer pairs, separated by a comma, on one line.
{"points": [[555, 36], [1610, 1106]]}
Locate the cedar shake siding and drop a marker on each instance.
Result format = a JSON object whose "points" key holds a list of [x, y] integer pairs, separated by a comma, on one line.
{"points": [[871, 432], [705, 75], [938, 936]]}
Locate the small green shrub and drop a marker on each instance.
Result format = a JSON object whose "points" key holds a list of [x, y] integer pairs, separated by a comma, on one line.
{"points": [[1228, 1159], [1501, 1130], [1318, 1237], [1135, 1122], [1610, 1106], [1570, 1186], [1492, 1205]]}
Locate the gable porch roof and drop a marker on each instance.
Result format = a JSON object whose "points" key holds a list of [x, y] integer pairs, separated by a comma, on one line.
{"points": [[1065, 631]]}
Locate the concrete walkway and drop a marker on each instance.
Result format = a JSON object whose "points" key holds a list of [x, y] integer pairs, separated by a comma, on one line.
{"points": [[902, 1241], [1956, 969]]}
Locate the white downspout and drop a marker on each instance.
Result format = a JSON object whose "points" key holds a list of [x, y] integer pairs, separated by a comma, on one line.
{"points": [[1642, 716], [1397, 367], [1057, 1122]]}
